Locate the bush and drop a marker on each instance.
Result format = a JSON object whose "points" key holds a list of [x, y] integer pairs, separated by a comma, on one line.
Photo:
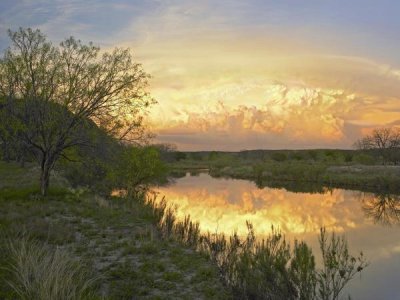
{"points": [[364, 159], [279, 156], [137, 168]]}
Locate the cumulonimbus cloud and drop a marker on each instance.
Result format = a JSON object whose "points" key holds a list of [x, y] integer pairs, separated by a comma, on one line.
{"points": [[274, 102]]}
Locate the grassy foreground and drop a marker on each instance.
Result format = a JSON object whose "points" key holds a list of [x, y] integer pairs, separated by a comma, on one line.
{"points": [[111, 240]]}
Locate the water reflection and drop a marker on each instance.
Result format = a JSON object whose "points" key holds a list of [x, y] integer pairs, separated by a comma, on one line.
{"points": [[224, 205], [382, 208]]}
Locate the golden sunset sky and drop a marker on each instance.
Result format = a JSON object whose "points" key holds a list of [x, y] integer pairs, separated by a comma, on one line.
{"points": [[232, 75]]}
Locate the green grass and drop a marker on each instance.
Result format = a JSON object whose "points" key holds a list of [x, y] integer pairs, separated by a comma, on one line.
{"points": [[323, 172], [116, 239]]}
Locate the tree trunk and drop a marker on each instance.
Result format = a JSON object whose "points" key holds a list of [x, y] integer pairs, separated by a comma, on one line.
{"points": [[21, 160], [46, 166]]}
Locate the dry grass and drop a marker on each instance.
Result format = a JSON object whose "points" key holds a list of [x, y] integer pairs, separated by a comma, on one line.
{"points": [[41, 272]]}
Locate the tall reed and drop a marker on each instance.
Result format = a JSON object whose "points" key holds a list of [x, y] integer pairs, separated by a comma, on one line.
{"points": [[265, 268]]}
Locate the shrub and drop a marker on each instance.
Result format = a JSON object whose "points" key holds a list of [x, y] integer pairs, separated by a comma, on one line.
{"points": [[279, 156], [364, 159], [339, 267]]}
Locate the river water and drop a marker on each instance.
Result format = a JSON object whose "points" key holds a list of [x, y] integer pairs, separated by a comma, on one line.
{"points": [[369, 221]]}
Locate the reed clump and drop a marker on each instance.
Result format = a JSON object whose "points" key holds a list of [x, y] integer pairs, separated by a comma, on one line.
{"points": [[268, 268]]}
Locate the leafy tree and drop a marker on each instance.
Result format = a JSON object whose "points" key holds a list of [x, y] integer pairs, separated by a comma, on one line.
{"points": [[137, 168], [55, 91], [7, 132], [90, 166]]}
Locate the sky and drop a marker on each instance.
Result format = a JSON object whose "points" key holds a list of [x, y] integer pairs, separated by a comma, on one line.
{"points": [[256, 74]]}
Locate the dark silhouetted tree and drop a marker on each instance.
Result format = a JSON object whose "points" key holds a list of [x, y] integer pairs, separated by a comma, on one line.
{"points": [[385, 141]]}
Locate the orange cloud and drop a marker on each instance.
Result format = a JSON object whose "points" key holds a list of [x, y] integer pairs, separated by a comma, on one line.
{"points": [[249, 94]]}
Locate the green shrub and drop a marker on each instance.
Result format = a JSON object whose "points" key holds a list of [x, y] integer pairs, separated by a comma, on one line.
{"points": [[279, 156], [364, 159]]}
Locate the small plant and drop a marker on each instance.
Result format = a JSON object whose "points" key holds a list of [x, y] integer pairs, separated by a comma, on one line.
{"points": [[302, 269], [339, 267]]}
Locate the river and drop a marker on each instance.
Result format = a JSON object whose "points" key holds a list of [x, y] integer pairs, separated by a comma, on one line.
{"points": [[369, 221]]}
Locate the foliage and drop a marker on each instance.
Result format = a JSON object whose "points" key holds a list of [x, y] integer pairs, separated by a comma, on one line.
{"points": [[363, 159], [279, 156], [136, 168], [339, 267], [53, 92], [302, 270], [90, 165]]}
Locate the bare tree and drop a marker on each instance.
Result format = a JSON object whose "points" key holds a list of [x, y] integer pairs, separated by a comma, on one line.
{"points": [[386, 141], [55, 91], [382, 208]]}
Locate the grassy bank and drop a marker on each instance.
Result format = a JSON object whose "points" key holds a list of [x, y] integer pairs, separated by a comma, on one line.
{"points": [[113, 240], [76, 243], [332, 168], [360, 177]]}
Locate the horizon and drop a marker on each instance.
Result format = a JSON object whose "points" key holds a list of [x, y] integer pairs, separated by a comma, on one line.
{"points": [[260, 74], [248, 150]]}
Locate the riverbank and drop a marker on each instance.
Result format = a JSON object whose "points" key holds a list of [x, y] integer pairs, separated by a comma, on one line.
{"points": [[137, 247], [300, 175], [116, 240]]}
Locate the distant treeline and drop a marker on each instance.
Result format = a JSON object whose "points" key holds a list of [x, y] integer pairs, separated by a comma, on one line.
{"points": [[367, 157]]}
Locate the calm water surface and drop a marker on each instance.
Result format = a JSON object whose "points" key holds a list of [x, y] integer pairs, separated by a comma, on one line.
{"points": [[370, 222]]}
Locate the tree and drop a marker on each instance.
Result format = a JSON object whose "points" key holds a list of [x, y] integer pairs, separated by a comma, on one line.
{"points": [[7, 132], [55, 91], [137, 168], [386, 141]]}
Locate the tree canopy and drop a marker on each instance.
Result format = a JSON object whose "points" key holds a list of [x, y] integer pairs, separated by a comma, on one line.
{"points": [[50, 93]]}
